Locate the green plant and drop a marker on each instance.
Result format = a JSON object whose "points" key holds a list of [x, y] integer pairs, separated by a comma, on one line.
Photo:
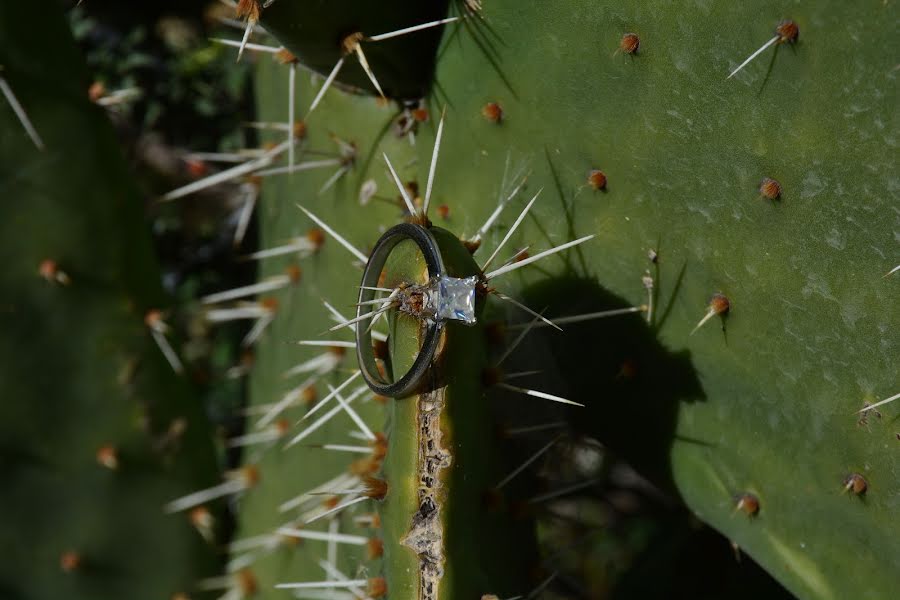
{"points": [[741, 227], [97, 431]]}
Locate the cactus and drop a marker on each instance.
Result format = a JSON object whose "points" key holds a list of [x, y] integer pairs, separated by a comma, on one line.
{"points": [[625, 122], [742, 379], [97, 431]]}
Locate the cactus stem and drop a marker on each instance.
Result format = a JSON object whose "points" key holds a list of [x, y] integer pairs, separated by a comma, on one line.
{"points": [[325, 418], [403, 191], [340, 239], [538, 394], [20, 113], [517, 265], [879, 403], [528, 462], [434, 157], [334, 392], [512, 230], [363, 428]]}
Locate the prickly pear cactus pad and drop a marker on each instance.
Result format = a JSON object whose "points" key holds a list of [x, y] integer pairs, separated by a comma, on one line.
{"points": [[742, 221], [808, 333], [96, 431]]}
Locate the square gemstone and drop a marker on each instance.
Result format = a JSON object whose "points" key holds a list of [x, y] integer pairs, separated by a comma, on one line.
{"points": [[452, 298]]}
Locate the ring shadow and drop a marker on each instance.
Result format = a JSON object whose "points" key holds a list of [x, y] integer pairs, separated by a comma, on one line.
{"points": [[630, 384]]}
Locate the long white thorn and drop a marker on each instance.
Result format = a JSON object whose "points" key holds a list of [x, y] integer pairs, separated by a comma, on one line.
{"points": [[250, 193], [406, 30], [434, 158], [892, 271], [287, 400], [340, 538], [334, 572], [304, 166], [334, 178], [494, 215], [587, 316], [530, 461], [536, 257], [885, 401], [226, 175], [538, 394], [406, 199], [322, 584], [247, 31], [511, 231], [342, 479], [509, 350], [754, 55], [334, 392], [326, 85], [257, 330], [168, 352], [248, 46], [226, 488], [337, 316], [324, 419], [21, 114], [533, 313], [338, 508], [353, 414], [709, 315], [365, 65], [340, 239], [363, 317], [327, 343], [271, 284], [292, 84]]}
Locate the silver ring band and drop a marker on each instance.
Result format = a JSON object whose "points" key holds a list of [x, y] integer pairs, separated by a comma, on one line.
{"points": [[412, 380]]}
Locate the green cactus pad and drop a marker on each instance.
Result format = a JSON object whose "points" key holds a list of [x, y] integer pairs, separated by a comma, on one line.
{"points": [[97, 431]]}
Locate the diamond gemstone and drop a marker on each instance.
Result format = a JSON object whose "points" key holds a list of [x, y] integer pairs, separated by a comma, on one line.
{"points": [[452, 298]]}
